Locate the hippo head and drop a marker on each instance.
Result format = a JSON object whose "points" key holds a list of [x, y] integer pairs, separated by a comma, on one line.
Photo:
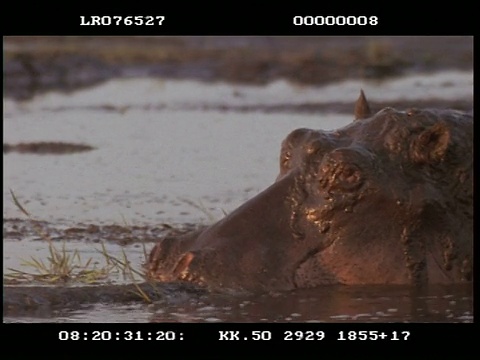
{"points": [[387, 199]]}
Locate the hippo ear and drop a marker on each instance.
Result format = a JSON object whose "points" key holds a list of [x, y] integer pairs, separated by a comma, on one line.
{"points": [[362, 109], [431, 144]]}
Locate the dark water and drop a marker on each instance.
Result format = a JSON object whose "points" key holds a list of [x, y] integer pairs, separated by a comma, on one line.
{"points": [[331, 304], [326, 304]]}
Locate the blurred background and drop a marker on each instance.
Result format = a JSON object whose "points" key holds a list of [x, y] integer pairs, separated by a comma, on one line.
{"points": [[35, 64]]}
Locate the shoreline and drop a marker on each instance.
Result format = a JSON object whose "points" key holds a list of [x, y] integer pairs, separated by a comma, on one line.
{"points": [[34, 65]]}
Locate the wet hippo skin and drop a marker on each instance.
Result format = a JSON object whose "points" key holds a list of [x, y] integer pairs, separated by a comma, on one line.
{"points": [[387, 199]]}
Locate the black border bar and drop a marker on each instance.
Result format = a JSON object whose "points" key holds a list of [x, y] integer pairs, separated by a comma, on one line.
{"points": [[237, 19]]}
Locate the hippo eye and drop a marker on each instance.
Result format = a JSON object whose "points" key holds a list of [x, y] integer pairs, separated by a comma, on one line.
{"points": [[348, 176], [340, 176]]}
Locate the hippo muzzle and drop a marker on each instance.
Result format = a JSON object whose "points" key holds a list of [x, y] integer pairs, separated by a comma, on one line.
{"points": [[250, 242]]}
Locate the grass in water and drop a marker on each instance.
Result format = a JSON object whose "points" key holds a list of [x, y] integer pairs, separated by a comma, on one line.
{"points": [[62, 266]]}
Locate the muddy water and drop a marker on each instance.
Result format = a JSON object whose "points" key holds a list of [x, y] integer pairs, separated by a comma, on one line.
{"points": [[328, 304], [185, 152]]}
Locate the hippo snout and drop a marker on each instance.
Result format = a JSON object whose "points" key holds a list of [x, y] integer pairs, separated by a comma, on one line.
{"points": [[251, 247]]}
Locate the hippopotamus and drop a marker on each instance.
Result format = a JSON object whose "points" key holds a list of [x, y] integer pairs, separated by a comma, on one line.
{"points": [[387, 199]]}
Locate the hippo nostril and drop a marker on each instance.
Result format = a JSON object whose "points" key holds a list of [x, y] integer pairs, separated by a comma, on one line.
{"points": [[182, 265], [160, 253]]}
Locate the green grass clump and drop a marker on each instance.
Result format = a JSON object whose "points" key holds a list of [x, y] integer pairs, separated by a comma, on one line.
{"points": [[62, 267]]}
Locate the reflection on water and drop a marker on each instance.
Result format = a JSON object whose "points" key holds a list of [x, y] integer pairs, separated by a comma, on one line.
{"points": [[332, 304], [326, 304]]}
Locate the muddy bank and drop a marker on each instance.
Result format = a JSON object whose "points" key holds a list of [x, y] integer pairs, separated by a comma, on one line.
{"points": [[18, 230], [34, 65], [36, 300]]}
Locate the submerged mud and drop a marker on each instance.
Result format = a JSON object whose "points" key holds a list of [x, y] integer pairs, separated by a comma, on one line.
{"points": [[45, 147], [23, 301], [20, 229]]}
